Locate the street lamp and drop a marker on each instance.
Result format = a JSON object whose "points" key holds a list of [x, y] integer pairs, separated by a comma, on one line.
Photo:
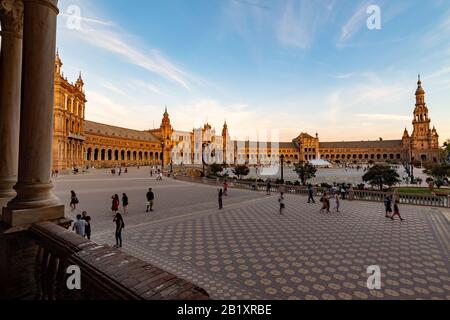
{"points": [[411, 161], [162, 156], [282, 168]]}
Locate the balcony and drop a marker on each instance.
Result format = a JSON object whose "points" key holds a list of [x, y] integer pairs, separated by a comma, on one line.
{"points": [[76, 136]]}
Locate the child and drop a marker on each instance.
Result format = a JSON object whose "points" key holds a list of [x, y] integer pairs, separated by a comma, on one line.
{"points": [[396, 211], [282, 205]]}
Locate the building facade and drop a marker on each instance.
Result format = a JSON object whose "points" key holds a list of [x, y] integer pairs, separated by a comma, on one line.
{"points": [[79, 142]]}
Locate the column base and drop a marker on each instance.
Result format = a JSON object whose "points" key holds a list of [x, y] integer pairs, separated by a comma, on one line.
{"points": [[22, 217]]}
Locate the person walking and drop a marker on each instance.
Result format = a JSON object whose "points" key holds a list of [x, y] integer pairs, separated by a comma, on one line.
{"points": [[220, 195], [311, 194], [120, 225], [73, 200], [115, 203], [397, 211], [337, 201], [268, 188], [225, 189], [150, 199], [387, 205], [125, 203], [343, 192], [281, 202], [87, 229], [325, 203], [79, 226]]}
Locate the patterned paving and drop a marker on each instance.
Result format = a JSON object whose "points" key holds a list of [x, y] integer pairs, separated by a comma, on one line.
{"points": [[249, 251]]}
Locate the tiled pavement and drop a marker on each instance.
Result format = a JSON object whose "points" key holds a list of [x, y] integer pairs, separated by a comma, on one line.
{"points": [[249, 251]]}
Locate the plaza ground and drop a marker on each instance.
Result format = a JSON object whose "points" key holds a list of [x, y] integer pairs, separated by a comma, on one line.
{"points": [[249, 251]]}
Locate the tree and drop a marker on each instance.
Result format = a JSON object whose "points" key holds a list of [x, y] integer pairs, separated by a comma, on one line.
{"points": [[380, 175], [305, 171], [215, 169], [241, 170], [445, 152], [439, 172]]}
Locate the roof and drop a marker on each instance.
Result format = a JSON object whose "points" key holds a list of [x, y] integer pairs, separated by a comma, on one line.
{"points": [[281, 145], [362, 144], [91, 127]]}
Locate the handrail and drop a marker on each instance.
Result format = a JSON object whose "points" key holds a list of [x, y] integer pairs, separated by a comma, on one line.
{"points": [[363, 195], [106, 273]]}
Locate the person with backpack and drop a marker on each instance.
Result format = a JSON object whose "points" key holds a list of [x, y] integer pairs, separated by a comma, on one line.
{"points": [[120, 225], [73, 200], [124, 203]]}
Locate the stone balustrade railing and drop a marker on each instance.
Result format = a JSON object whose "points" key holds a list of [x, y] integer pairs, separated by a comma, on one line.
{"points": [[363, 195], [106, 273]]}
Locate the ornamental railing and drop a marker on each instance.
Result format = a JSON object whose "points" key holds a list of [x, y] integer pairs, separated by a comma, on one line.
{"points": [[105, 273], [362, 195]]}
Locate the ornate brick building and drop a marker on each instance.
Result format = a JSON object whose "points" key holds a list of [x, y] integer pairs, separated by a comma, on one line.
{"points": [[79, 142]]}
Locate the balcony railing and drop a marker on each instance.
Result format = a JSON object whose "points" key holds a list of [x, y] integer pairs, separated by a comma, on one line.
{"points": [[106, 273], [362, 195]]}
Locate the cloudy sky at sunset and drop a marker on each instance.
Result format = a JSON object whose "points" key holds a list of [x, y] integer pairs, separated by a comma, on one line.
{"points": [[293, 65]]}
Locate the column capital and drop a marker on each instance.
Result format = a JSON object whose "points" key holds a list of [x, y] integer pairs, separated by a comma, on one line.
{"points": [[53, 4], [11, 16]]}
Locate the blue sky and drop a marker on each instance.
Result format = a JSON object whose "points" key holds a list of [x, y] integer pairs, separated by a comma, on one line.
{"points": [[293, 65]]}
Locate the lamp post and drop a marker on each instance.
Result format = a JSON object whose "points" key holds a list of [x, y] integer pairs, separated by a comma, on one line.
{"points": [[411, 161], [282, 168], [204, 145], [162, 156]]}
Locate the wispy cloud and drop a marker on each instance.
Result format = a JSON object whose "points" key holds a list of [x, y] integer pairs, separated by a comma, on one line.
{"points": [[114, 88], [301, 20], [118, 43], [378, 116], [146, 86]]}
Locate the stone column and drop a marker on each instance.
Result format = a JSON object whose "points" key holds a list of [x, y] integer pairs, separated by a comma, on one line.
{"points": [[35, 200], [11, 16]]}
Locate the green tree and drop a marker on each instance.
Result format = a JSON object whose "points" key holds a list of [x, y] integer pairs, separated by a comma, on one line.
{"points": [[380, 175], [445, 151], [241, 170], [215, 169], [305, 171], [439, 171]]}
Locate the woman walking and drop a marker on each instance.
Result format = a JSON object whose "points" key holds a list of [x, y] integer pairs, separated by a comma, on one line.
{"points": [[124, 203], [325, 203], [115, 203], [73, 200], [120, 225], [337, 201]]}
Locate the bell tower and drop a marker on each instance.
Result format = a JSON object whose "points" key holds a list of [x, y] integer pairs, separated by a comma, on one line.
{"points": [[166, 136]]}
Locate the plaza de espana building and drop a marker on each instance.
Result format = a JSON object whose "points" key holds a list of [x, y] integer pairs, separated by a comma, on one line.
{"points": [[78, 142]]}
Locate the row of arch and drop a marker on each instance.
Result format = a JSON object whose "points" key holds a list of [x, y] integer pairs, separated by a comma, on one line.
{"points": [[98, 154], [385, 156]]}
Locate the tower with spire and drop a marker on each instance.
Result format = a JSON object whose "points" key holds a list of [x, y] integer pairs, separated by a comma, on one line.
{"points": [[423, 141]]}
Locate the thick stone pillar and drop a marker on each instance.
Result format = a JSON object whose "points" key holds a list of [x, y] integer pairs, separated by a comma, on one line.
{"points": [[11, 17], [35, 200]]}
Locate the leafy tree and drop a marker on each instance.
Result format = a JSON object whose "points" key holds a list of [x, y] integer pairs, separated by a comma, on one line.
{"points": [[215, 169], [445, 152], [439, 172], [241, 170], [380, 175], [305, 171]]}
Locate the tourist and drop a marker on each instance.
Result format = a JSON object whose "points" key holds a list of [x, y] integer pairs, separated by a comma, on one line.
{"points": [[268, 188], [151, 172], [120, 171], [351, 194], [337, 201], [79, 226], [311, 194], [87, 229], [126, 170], [396, 211], [281, 202], [220, 194], [225, 189], [120, 225], [343, 192], [150, 198], [325, 203], [73, 200], [388, 205], [124, 203], [115, 203]]}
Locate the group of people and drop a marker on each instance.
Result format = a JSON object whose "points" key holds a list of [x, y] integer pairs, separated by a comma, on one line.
{"points": [[388, 200], [82, 226], [118, 171]]}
